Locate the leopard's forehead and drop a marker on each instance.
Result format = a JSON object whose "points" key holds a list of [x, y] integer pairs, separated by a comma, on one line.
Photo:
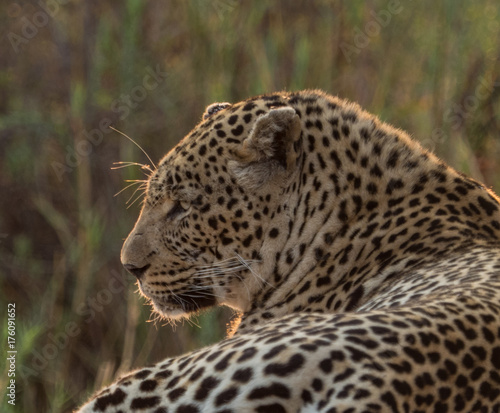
{"points": [[226, 128], [203, 153]]}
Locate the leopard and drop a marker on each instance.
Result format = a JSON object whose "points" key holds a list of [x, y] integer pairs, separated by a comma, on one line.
{"points": [[366, 271]]}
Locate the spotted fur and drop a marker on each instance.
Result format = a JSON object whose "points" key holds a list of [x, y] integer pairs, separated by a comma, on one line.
{"points": [[366, 270]]}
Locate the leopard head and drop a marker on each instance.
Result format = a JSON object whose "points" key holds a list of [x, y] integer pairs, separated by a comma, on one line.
{"points": [[215, 208]]}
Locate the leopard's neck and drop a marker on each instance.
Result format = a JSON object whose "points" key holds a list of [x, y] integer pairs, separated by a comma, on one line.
{"points": [[365, 197]]}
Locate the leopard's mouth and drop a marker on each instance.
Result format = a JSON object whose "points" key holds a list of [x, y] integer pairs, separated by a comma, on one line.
{"points": [[179, 305]]}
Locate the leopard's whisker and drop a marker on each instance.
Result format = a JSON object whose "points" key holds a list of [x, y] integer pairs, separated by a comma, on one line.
{"points": [[220, 270], [254, 273], [198, 295], [192, 322], [233, 260], [135, 200], [129, 186], [219, 263], [139, 188], [136, 180], [135, 143], [219, 273], [128, 163]]}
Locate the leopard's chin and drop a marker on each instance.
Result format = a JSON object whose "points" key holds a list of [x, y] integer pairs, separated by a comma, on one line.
{"points": [[169, 311]]}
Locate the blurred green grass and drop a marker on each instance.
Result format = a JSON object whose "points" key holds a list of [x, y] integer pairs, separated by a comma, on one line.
{"points": [[430, 68]]}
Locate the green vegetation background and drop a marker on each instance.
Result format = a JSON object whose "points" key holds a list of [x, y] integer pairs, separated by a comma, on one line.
{"points": [[68, 68]]}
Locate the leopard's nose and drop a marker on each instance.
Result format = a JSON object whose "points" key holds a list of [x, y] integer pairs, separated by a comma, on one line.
{"points": [[137, 271]]}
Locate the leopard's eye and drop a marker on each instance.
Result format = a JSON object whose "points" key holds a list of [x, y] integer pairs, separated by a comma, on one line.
{"points": [[178, 209]]}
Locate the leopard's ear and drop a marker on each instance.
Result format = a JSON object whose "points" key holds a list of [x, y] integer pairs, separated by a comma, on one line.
{"points": [[214, 108], [271, 147], [272, 138]]}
